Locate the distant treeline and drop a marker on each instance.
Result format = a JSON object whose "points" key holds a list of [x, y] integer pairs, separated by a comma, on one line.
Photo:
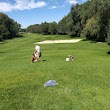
{"points": [[8, 27], [90, 19]]}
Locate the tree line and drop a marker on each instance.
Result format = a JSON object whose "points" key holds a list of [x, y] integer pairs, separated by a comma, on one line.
{"points": [[8, 27], [90, 19], [43, 28]]}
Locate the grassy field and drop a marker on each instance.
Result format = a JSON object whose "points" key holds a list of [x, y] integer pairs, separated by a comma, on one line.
{"points": [[83, 84]]}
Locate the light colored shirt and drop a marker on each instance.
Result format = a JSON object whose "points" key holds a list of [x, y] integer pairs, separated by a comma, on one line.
{"points": [[37, 48]]}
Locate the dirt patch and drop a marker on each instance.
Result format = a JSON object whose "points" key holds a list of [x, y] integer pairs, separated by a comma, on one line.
{"points": [[58, 41]]}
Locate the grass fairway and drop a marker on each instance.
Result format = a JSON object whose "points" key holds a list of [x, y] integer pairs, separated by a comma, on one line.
{"points": [[83, 84]]}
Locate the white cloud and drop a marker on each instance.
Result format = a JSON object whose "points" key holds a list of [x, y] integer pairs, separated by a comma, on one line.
{"points": [[53, 7], [21, 5], [72, 1], [5, 7]]}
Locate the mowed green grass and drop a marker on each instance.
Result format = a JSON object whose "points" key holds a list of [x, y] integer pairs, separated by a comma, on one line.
{"points": [[83, 84]]}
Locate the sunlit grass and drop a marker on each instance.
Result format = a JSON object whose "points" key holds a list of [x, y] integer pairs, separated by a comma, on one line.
{"points": [[83, 84]]}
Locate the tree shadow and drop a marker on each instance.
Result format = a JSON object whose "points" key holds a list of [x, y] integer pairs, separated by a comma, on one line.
{"points": [[18, 36], [85, 40]]}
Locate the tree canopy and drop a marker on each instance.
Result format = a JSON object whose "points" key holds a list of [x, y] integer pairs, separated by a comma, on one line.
{"points": [[8, 27]]}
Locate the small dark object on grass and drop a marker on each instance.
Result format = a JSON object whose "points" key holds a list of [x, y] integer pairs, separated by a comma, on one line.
{"points": [[70, 57], [108, 52]]}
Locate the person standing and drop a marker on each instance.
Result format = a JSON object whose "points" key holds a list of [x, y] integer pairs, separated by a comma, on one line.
{"points": [[37, 49]]}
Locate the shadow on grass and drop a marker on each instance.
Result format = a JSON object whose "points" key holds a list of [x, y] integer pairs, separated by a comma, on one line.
{"points": [[2, 52], [39, 61], [91, 41], [108, 52], [85, 40], [44, 60], [17, 36]]}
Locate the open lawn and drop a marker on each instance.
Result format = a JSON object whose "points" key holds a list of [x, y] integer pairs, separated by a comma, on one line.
{"points": [[83, 84]]}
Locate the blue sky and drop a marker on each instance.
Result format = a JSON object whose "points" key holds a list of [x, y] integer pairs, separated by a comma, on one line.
{"points": [[28, 12]]}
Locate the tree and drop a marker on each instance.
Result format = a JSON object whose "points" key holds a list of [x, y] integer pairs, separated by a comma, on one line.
{"points": [[91, 29], [45, 28], [99, 9], [53, 28], [76, 21], [3, 32], [108, 37], [62, 29], [108, 40], [8, 27]]}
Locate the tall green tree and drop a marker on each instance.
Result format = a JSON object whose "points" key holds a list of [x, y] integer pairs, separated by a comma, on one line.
{"points": [[45, 28], [62, 29], [8, 27], [3, 32], [76, 21], [53, 28], [91, 29], [99, 9]]}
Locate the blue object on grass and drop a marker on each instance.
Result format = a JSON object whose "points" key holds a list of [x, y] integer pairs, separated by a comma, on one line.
{"points": [[50, 83]]}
